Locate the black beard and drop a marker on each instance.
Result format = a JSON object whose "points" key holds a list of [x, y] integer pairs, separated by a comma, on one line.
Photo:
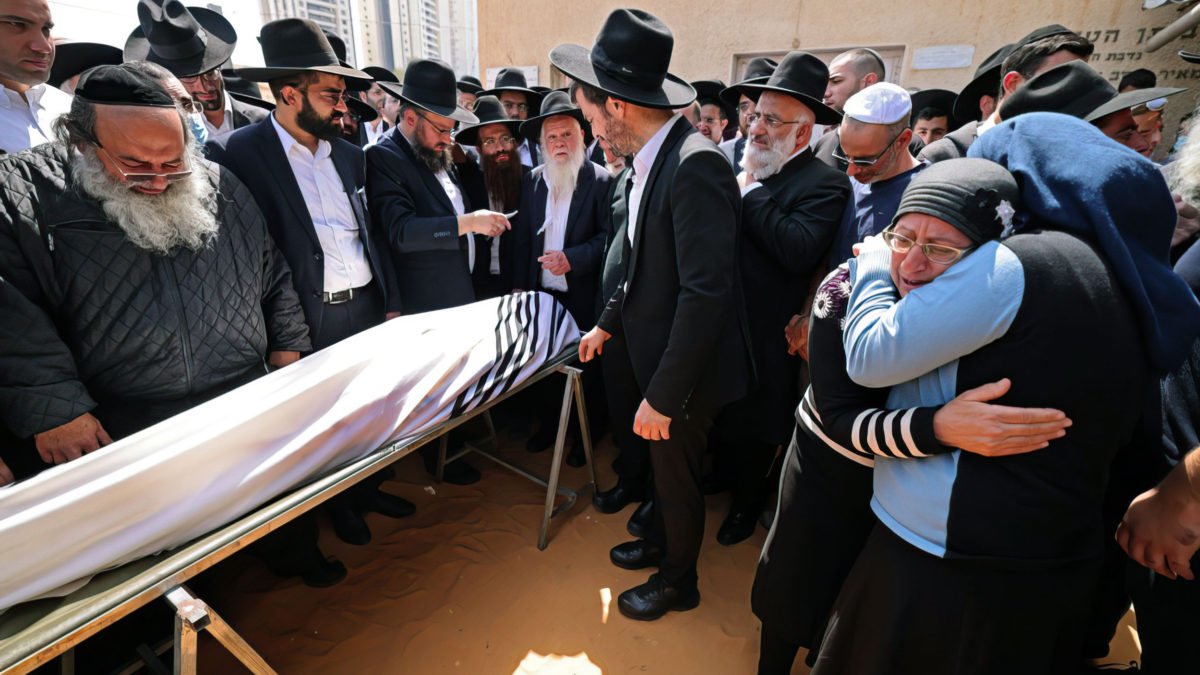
{"points": [[325, 129], [435, 161], [217, 102], [503, 181]]}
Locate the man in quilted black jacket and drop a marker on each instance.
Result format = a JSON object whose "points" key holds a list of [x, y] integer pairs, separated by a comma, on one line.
{"points": [[136, 278]]}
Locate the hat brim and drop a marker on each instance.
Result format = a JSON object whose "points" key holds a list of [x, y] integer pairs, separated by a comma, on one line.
{"points": [[268, 74], [822, 113], [733, 96], [251, 100], [364, 110], [533, 99], [469, 135], [218, 46], [468, 88], [966, 104], [456, 113], [72, 58], [1129, 99], [532, 127], [575, 62]]}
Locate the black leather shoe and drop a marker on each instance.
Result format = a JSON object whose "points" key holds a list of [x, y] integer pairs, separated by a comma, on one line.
{"points": [[323, 574], [575, 456], [636, 555], [738, 526], [639, 523], [611, 501], [457, 472], [654, 598], [542, 440], [349, 525], [387, 504]]}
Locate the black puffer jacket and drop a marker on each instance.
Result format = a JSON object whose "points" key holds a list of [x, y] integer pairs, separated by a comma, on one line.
{"points": [[87, 318]]}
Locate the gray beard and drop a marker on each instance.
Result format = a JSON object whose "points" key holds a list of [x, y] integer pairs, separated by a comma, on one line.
{"points": [[182, 216], [560, 177], [762, 164], [1184, 179]]}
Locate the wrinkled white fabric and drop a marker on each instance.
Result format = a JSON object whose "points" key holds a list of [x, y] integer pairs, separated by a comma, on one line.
{"points": [[199, 470]]}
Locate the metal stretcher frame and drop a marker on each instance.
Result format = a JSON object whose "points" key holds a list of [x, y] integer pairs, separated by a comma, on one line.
{"points": [[34, 633]]}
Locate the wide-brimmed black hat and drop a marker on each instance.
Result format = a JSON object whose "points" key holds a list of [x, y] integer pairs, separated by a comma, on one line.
{"points": [[366, 112], [488, 110], [985, 83], [339, 49], [1076, 89], [430, 86], [758, 70], [185, 40], [381, 74], [72, 58], [941, 99], [469, 84], [803, 77], [244, 90], [513, 79], [292, 46], [629, 61], [556, 103], [709, 91]]}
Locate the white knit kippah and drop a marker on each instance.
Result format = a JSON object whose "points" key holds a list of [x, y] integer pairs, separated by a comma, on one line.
{"points": [[880, 103]]}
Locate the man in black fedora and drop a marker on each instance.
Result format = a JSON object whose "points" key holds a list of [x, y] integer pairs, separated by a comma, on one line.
{"points": [[308, 181], [792, 204], [194, 43], [376, 97], [469, 88], [519, 100], [496, 182], [715, 113], [71, 58], [931, 118], [678, 308], [758, 70], [419, 203]]}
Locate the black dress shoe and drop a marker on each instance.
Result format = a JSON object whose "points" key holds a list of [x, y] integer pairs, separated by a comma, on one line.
{"points": [[738, 526], [636, 555], [575, 457], [654, 598], [387, 504], [323, 574], [641, 520], [348, 524], [542, 440], [611, 501]]}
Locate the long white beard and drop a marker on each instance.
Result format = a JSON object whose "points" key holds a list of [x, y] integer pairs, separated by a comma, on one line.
{"points": [[182, 216], [1185, 177], [763, 163], [561, 176]]}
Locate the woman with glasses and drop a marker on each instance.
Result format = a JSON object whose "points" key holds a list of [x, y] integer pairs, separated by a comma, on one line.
{"points": [[824, 515]]}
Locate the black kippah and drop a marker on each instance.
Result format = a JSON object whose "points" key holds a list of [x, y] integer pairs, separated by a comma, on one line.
{"points": [[122, 85], [977, 197]]}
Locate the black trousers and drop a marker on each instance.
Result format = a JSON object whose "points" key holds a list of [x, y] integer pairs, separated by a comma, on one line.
{"points": [[624, 396], [1168, 619]]}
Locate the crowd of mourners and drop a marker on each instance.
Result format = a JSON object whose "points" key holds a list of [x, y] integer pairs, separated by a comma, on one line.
{"points": [[955, 334]]}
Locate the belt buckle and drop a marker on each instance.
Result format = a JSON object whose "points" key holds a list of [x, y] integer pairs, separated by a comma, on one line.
{"points": [[339, 297]]}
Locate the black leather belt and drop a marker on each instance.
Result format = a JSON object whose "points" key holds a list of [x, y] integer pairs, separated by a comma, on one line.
{"points": [[339, 297]]}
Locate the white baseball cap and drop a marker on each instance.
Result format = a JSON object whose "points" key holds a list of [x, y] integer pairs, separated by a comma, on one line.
{"points": [[880, 103]]}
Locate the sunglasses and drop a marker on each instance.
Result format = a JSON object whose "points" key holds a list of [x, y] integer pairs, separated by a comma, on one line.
{"points": [[865, 163]]}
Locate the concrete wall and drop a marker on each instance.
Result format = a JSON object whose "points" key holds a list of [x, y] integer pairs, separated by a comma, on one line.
{"points": [[711, 36]]}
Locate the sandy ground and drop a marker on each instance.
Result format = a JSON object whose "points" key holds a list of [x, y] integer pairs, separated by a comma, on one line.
{"points": [[460, 587]]}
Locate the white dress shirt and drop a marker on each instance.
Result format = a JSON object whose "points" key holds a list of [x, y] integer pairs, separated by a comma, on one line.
{"points": [[456, 198], [555, 230], [524, 154], [346, 265], [375, 130], [226, 128], [26, 124], [642, 163], [990, 122]]}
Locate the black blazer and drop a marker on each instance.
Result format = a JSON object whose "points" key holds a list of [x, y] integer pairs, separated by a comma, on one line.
{"points": [[788, 225], [470, 176], [583, 243], [255, 155], [245, 114], [679, 306], [421, 227]]}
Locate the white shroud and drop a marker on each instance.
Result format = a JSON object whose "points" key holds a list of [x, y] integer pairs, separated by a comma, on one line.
{"points": [[201, 469]]}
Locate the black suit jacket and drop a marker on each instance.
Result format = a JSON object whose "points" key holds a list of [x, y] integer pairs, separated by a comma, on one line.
{"points": [[679, 307], [788, 225], [421, 227], [245, 114], [470, 176], [583, 242], [255, 155]]}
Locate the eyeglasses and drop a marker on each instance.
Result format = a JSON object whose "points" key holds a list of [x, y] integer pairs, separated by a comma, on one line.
{"points": [[771, 121], [710, 121], [441, 131], [171, 177], [936, 253], [745, 107], [191, 106], [503, 140], [515, 107], [210, 76], [839, 155]]}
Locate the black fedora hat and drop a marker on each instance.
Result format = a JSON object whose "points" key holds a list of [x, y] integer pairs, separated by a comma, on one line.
{"points": [[293, 46], [430, 86], [185, 40], [365, 111], [244, 90], [339, 49], [629, 61], [72, 58], [381, 74], [709, 91], [556, 103], [940, 99], [488, 110], [1076, 89], [469, 84], [985, 83], [803, 77], [513, 79], [758, 70]]}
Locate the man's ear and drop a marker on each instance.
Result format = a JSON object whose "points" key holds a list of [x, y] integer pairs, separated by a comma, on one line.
{"points": [[870, 79], [1012, 81]]}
